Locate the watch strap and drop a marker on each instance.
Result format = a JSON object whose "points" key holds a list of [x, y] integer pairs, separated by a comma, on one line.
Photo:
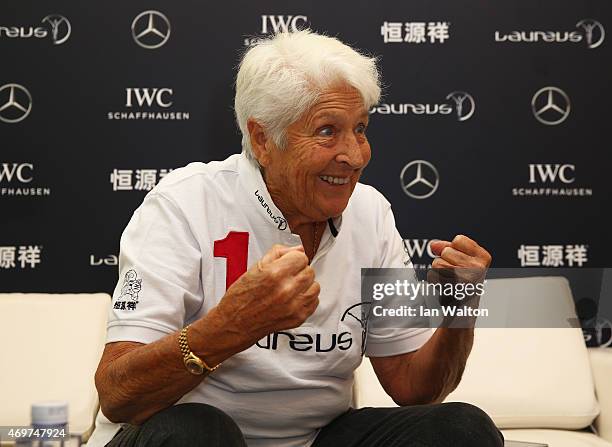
{"points": [[188, 353]]}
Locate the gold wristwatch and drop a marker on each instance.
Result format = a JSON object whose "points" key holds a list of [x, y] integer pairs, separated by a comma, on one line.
{"points": [[194, 364]]}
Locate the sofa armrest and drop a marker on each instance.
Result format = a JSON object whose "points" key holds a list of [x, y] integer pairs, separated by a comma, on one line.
{"points": [[601, 365]]}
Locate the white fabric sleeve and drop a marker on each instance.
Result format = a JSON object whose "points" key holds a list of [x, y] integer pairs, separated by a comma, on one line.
{"points": [[384, 342], [159, 283]]}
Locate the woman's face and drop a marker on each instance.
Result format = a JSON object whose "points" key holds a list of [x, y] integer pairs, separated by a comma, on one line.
{"points": [[315, 175]]}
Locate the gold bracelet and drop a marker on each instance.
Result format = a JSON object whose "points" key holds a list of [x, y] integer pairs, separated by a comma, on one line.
{"points": [[194, 364]]}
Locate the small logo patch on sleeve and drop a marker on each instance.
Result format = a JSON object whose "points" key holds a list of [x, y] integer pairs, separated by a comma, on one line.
{"points": [[132, 285]]}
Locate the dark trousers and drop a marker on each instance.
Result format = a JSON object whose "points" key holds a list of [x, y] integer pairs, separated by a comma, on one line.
{"points": [[453, 424]]}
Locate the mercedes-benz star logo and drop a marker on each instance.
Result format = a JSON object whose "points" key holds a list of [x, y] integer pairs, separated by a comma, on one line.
{"points": [[60, 28], [550, 105], [16, 103], [419, 179], [464, 110], [593, 38], [151, 29]]}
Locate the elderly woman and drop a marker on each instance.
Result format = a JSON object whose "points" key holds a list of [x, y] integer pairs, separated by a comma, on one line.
{"points": [[246, 269]]}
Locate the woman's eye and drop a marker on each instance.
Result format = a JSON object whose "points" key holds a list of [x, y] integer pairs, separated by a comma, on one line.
{"points": [[326, 131], [361, 128]]}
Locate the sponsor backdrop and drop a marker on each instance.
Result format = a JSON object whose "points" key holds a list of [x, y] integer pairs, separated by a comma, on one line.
{"points": [[494, 123]]}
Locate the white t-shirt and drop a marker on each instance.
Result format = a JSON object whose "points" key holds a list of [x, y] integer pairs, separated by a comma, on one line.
{"points": [[205, 224]]}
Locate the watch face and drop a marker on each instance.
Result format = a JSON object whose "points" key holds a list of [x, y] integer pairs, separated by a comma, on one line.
{"points": [[194, 367]]}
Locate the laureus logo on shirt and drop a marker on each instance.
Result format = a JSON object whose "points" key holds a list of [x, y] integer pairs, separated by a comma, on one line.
{"points": [[132, 285], [362, 318], [281, 222], [320, 342], [306, 342]]}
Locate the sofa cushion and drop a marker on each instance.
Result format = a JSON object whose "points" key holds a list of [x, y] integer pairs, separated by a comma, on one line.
{"points": [[530, 377], [556, 438], [51, 345]]}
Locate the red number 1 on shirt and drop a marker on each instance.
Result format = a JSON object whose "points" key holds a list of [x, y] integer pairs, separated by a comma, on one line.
{"points": [[235, 249]]}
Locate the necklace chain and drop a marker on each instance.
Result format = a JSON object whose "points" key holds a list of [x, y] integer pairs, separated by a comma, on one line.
{"points": [[314, 240]]}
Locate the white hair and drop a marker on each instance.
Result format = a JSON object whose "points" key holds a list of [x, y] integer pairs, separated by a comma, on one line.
{"points": [[281, 77]]}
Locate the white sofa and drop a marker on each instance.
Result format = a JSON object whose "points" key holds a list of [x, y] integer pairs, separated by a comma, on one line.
{"points": [[51, 345], [539, 385]]}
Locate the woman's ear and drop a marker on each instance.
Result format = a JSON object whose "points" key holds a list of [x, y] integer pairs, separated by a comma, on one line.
{"points": [[259, 140]]}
